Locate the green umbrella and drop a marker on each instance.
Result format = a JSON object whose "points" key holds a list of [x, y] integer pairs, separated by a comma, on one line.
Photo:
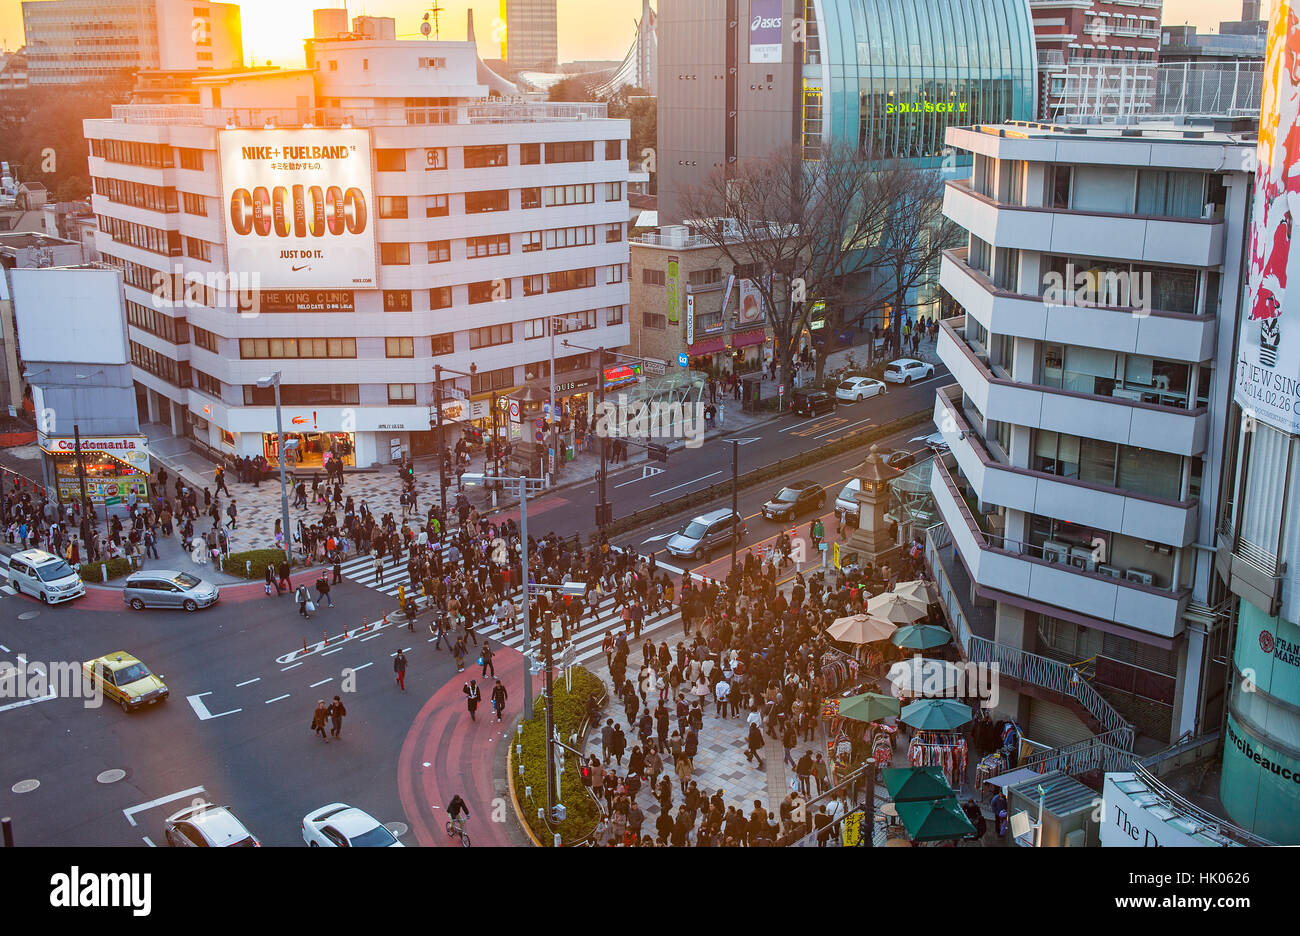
{"points": [[934, 820], [936, 714], [921, 636], [869, 707], [912, 784]]}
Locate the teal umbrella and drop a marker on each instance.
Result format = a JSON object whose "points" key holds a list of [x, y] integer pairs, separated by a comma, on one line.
{"points": [[913, 784], [934, 820], [921, 637], [936, 714], [869, 707]]}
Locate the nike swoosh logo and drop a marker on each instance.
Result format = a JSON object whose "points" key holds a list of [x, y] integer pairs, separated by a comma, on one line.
{"points": [[304, 267]]}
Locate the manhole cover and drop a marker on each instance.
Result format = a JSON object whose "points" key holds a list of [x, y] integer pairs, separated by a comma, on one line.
{"points": [[111, 776], [397, 828], [25, 786], [28, 615]]}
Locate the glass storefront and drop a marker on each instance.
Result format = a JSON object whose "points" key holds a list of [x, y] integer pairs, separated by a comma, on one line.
{"points": [[310, 449], [109, 480]]}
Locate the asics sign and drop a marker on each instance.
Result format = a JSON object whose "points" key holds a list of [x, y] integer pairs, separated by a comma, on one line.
{"points": [[298, 205], [765, 23], [765, 31]]}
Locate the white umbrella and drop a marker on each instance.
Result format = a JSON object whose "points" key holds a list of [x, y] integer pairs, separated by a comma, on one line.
{"points": [[918, 589], [896, 609], [860, 629], [923, 677]]}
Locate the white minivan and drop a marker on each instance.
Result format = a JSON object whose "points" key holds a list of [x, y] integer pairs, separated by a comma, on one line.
{"points": [[40, 574]]}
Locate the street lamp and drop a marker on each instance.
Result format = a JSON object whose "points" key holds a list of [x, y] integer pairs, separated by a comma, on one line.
{"points": [[555, 420], [437, 402], [274, 381]]}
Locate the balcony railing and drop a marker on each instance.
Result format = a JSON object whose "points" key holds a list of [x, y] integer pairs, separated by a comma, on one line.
{"points": [[394, 115], [1028, 668]]}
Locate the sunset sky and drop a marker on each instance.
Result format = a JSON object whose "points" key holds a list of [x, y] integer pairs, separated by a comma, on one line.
{"points": [[589, 29]]}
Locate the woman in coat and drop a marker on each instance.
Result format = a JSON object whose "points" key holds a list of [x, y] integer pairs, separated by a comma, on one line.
{"points": [[301, 596], [318, 720]]}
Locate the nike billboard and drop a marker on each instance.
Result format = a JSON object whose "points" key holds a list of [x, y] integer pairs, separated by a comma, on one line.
{"points": [[299, 207]]}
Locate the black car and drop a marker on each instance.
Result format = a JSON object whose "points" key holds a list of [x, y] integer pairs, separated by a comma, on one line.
{"points": [[902, 459], [812, 402], [794, 499]]}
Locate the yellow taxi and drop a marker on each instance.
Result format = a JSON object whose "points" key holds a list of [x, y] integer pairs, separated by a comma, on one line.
{"points": [[126, 680]]}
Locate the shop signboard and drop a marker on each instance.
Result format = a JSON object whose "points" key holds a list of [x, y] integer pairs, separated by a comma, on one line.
{"points": [[299, 206], [1134, 816], [765, 31], [305, 300], [673, 282], [1268, 362], [621, 375], [690, 319], [751, 303], [454, 410]]}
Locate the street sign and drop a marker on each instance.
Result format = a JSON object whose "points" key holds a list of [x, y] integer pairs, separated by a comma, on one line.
{"points": [[539, 436], [514, 409], [780, 388], [683, 359], [653, 367], [539, 424]]}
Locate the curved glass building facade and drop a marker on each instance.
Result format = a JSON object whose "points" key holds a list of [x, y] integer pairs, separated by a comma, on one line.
{"points": [[893, 75]]}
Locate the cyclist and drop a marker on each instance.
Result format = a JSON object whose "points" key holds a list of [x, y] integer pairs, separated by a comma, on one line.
{"points": [[458, 812]]}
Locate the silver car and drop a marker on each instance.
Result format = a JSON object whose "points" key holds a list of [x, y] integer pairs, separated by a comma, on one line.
{"points": [[706, 533], [162, 588]]}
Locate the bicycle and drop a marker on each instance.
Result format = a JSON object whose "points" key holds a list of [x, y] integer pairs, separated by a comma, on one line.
{"points": [[457, 827]]}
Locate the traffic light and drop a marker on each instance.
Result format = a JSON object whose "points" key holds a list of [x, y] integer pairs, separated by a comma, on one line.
{"points": [[657, 452], [586, 775]]}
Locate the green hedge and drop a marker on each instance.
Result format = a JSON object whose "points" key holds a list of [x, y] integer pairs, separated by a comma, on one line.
{"points": [[93, 572], [582, 813], [236, 563]]}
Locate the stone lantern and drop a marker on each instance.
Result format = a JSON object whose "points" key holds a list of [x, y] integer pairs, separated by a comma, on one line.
{"points": [[871, 539]]}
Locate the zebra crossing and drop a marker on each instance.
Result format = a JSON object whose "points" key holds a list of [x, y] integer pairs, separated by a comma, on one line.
{"points": [[586, 638]]}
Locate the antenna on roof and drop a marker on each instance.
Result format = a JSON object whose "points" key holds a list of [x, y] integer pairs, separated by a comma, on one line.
{"points": [[436, 11]]}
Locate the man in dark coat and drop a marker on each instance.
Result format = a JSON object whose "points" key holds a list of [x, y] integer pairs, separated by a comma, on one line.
{"points": [[472, 696]]}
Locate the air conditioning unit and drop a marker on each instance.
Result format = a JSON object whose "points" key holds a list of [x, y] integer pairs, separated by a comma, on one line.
{"points": [[1110, 570], [1056, 552], [1138, 577], [1082, 558]]}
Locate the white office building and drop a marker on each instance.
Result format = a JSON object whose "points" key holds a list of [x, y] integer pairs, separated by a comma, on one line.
{"points": [[356, 223], [1094, 368]]}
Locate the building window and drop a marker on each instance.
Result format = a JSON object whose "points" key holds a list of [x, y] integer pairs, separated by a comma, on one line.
{"points": [[496, 290], [390, 160], [435, 157], [490, 335], [147, 318], [614, 274], [401, 393], [562, 280], [397, 300], [534, 285], [613, 149], [654, 320], [204, 339], [487, 381], [334, 65], [198, 249], [440, 297], [489, 245], [479, 202], [583, 236], [439, 61], [534, 328], [530, 154], [613, 191], [176, 373], [1161, 193], [482, 157], [439, 251], [653, 277], [137, 194], [303, 395], [191, 158], [399, 347], [709, 277], [255, 348], [392, 206], [556, 195], [156, 240], [614, 315], [576, 151], [575, 321], [530, 198], [442, 344], [749, 271], [614, 233], [153, 155], [207, 383], [532, 241], [436, 207], [395, 254], [195, 204]]}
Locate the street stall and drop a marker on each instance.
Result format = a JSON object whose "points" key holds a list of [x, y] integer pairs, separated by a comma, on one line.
{"points": [[938, 820], [858, 721], [916, 677], [938, 742], [859, 631], [897, 609], [920, 637]]}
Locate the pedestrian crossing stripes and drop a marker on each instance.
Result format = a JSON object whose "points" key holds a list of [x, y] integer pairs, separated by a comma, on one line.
{"points": [[587, 637]]}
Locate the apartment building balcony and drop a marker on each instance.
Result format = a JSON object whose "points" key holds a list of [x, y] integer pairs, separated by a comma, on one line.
{"points": [[1109, 418], [1130, 331], [1035, 492], [1183, 241], [1001, 567]]}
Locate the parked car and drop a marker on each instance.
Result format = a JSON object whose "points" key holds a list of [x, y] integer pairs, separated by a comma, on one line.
{"points": [[41, 574], [208, 826], [126, 680], [706, 533], [810, 402], [901, 459], [853, 389], [846, 503], [794, 499], [339, 825], [935, 442], [160, 588], [905, 370]]}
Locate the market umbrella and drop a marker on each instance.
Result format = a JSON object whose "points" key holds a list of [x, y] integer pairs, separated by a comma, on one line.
{"points": [[896, 608], [921, 636], [860, 629], [934, 820], [936, 714], [920, 676], [912, 784], [918, 589], [869, 707]]}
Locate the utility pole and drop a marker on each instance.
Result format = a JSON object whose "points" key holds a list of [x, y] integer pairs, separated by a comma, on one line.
{"points": [[442, 471], [602, 508], [88, 524], [735, 497]]}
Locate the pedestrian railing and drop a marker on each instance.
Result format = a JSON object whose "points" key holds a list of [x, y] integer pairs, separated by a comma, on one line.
{"points": [[1102, 752]]}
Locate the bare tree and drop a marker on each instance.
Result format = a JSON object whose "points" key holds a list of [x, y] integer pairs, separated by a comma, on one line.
{"points": [[808, 226]]}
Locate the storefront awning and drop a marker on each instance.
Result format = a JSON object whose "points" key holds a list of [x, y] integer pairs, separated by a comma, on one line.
{"points": [[745, 339], [708, 346]]}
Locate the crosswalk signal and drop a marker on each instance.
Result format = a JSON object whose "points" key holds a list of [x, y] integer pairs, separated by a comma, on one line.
{"points": [[657, 453]]}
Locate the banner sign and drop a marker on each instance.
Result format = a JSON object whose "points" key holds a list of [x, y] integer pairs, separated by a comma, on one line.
{"points": [[764, 31], [674, 292], [299, 207], [751, 303]]}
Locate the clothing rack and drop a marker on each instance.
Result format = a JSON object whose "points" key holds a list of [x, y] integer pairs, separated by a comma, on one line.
{"points": [[946, 750]]}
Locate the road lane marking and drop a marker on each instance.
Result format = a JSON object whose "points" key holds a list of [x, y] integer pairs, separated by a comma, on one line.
{"points": [[646, 472], [148, 841], [276, 699], [201, 708], [247, 682], [44, 698], [131, 811], [685, 483], [290, 666], [328, 652], [321, 683], [362, 666], [842, 428], [371, 637]]}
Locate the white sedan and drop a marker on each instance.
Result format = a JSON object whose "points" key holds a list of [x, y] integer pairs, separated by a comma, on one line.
{"points": [[852, 389], [339, 825], [905, 370]]}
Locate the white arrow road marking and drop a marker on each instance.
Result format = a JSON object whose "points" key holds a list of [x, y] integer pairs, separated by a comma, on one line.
{"points": [[201, 708], [646, 472], [742, 441], [44, 698], [130, 813], [655, 539]]}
